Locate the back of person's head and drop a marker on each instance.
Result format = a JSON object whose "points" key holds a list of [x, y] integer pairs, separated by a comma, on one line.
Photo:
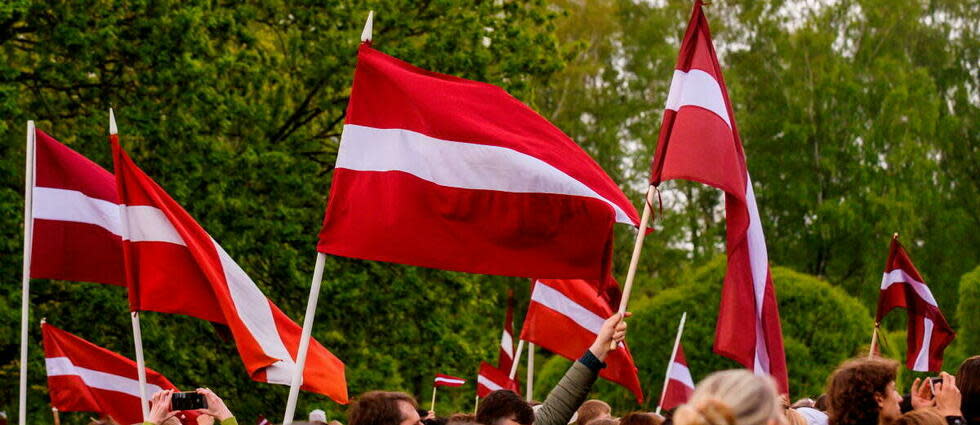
{"points": [[438, 420], [462, 419], [379, 408], [731, 397], [604, 421], [822, 403], [641, 418], [590, 410], [921, 417], [318, 416], [968, 381], [794, 418], [852, 388], [504, 404]]}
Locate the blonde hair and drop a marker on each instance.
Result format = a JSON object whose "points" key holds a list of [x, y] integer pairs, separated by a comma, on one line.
{"points": [[731, 397], [795, 418]]}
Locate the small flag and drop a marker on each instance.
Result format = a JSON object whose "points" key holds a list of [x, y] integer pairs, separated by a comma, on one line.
{"points": [[448, 381], [680, 385], [928, 332], [491, 379], [507, 337], [263, 421]]}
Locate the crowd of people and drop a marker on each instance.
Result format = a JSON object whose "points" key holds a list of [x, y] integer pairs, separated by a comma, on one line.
{"points": [[859, 392]]}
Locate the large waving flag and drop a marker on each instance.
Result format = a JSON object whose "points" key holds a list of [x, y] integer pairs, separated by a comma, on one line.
{"points": [[699, 141], [565, 316], [491, 379], [174, 266], [77, 232], [442, 172], [83, 377], [928, 332]]}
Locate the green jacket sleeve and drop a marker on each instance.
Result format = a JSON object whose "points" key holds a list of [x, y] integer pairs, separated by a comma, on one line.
{"points": [[567, 396]]}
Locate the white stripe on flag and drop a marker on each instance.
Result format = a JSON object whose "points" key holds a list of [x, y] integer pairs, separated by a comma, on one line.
{"points": [[680, 373], [486, 382], [507, 343], [62, 366], [72, 205], [555, 300], [922, 359], [450, 380], [697, 88], [759, 267], [899, 276], [457, 164]]}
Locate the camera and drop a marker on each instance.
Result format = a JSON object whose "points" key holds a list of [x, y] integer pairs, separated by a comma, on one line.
{"points": [[187, 401]]}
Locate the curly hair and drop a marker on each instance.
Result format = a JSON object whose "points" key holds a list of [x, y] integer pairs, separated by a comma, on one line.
{"points": [[851, 390], [968, 380], [378, 408], [503, 404]]}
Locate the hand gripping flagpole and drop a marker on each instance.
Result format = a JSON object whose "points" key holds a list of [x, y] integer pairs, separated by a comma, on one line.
{"points": [[670, 364], [135, 315], [635, 259], [29, 164]]}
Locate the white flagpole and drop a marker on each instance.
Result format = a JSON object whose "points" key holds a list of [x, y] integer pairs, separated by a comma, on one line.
{"points": [[432, 406], [517, 358], [135, 315], [25, 295], [304, 341], [670, 364], [476, 405], [530, 370], [635, 259]]}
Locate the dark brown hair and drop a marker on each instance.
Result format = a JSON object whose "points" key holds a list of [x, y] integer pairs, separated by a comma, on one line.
{"points": [[503, 404], [461, 419], [590, 410], [378, 408], [968, 381], [852, 387], [641, 418]]}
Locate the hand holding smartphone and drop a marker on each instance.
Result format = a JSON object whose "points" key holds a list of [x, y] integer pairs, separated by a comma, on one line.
{"points": [[187, 401]]}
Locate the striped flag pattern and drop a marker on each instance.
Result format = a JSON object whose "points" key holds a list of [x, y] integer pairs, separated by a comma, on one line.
{"points": [[448, 381], [680, 385], [490, 379]]}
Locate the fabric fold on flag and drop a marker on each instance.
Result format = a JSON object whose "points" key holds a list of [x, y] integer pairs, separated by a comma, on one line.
{"points": [[77, 231], [490, 379], [699, 141], [174, 266], [448, 381], [466, 178], [680, 384], [565, 316], [928, 331], [83, 377]]}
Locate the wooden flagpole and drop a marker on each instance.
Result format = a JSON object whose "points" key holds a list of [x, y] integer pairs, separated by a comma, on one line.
{"points": [[874, 342], [635, 259], [517, 358], [25, 294], [530, 370], [57, 418], [432, 406], [476, 404], [670, 363], [135, 315]]}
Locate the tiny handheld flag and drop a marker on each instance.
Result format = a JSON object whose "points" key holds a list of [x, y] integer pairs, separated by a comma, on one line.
{"points": [[448, 381]]}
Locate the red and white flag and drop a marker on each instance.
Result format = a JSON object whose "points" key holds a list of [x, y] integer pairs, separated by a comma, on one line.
{"points": [[680, 385], [83, 377], [454, 174], [507, 337], [77, 232], [263, 421], [491, 379], [928, 332], [174, 266], [565, 316], [448, 381], [699, 141]]}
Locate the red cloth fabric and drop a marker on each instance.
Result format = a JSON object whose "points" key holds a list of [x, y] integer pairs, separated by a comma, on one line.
{"points": [[928, 331], [83, 377], [565, 316], [699, 141], [443, 380], [506, 359], [680, 385], [174, 266], [489, 185], [68, 245], [491, 379]]}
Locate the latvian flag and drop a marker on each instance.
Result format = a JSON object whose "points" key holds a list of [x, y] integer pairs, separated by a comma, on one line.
{"points": [[565, 316], [928, 331], [448, 381], [699, 141], [680, 385], [492, 379], [463, 176], [83, 377], [507, 337], [77, 231]]}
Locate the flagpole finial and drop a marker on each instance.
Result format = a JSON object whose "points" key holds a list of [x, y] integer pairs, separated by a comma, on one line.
{"points": [[112, 123], [895, 235], [44, 320], [368, 31]]}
